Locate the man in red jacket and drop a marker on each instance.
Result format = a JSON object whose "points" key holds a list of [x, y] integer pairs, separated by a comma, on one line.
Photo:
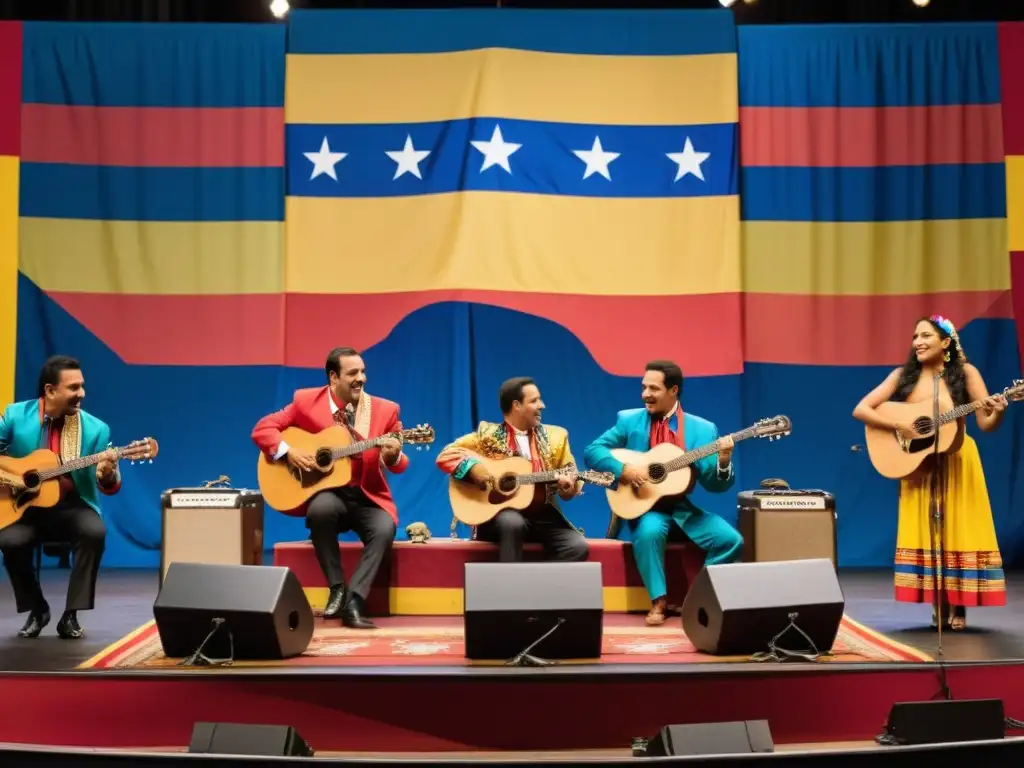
{"points": [[364, 505]]}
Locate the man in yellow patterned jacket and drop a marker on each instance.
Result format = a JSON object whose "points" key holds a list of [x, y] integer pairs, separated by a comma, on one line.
{"points": [[547, 447]]}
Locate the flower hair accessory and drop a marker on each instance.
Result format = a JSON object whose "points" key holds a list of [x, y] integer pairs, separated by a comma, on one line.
{"points": [[950, 329]]}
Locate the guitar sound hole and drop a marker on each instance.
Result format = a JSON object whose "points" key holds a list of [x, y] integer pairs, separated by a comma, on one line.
{"points": [[923, 425], [656, 472], [507, 483], [31, 480], [323, 458]]}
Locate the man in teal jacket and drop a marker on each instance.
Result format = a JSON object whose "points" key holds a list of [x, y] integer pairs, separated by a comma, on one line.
{"points": [[662, 420], [56, 421]]}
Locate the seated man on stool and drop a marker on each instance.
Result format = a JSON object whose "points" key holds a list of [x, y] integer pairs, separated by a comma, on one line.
{"points": [[55, 420], [521, 434], [364, 505]]}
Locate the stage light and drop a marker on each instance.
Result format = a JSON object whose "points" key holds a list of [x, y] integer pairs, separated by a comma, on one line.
{"points": [[727, 3], [921, 3], [279, 8]]}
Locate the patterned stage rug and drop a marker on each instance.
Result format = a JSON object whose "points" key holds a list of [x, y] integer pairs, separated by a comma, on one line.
{"points": [[438, 641]]}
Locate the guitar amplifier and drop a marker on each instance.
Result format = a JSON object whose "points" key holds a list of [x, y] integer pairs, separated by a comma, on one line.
{"points": [[213, 526], [787, 524]]}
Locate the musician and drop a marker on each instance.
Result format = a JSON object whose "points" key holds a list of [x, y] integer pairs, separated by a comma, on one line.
{"points": [[972, 564], [56, 421], [662, 420], [521, 433], [365, 505]]}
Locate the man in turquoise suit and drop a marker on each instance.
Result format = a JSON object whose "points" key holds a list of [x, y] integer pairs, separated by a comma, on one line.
{"points": [[661, 421], [55, 420]]}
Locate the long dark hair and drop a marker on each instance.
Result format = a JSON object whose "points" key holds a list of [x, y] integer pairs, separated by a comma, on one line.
{"points": [[953, 370]]}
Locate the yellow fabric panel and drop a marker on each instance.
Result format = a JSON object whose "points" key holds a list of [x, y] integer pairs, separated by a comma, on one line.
{"points": [[501, 82], [154, 257], [475, 240], [8, 275], [875, 258], [1015, 201]]}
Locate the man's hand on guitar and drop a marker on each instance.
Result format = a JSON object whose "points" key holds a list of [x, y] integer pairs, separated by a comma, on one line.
{"points": [[725, 452], [567, 487], [635, 476], [107, 466], [301, 460], [479, 475], [389, 451]]}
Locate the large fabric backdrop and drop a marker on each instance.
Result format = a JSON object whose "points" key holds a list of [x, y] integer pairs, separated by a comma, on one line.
{"points": [[472, 195]]}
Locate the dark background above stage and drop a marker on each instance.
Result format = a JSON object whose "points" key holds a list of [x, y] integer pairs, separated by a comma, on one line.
{"points": [[759, 12]]}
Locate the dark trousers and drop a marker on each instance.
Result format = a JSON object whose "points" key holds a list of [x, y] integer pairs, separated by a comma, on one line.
{"points": [[511, 529], [339, 511], [71, 521]]}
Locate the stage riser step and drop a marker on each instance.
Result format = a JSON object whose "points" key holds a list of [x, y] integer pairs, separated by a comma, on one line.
{"points": [[427, 579]]}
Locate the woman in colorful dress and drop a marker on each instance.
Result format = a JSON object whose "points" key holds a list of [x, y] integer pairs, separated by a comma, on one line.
{"points": [[972, 565]]}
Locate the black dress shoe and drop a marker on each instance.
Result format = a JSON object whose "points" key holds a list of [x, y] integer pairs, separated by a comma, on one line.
{"points": [[35, 623], [354, 614], [68, 626], [335, 600]]}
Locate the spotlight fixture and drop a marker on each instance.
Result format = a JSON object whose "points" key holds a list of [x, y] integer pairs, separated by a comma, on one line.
{"points": [[921, 3], [727, 3], [279, 8]]}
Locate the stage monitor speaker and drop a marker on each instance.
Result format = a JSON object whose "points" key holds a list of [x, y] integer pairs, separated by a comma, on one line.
{"points": [[712, 739], [263, 612], [739, 608], [246, 739], [943, 721], [508, 607]]}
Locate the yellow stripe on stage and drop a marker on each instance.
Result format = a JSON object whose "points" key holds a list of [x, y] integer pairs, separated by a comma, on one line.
{"points": [[573, 245], [8, 275], [1015, 201], [875, 258], [154, 257], [501, 82], [448, 601]]}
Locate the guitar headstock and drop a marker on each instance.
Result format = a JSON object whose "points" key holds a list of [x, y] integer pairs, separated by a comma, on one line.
{"points": [[774, 428], [145, 449], [421, 434], [1015, 392], [600, 479]]}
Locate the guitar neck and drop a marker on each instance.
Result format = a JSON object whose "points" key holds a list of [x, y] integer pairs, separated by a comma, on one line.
{"points": [[959, 412], [358, 447], [533, 478], [76, 464], [699, 453]]}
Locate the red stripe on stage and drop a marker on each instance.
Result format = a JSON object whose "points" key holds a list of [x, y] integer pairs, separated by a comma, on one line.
{"points": [[154, 136], [815, 330], [1011, 67], [870, 136], [10, 87], [617, 330], [183, 330]]}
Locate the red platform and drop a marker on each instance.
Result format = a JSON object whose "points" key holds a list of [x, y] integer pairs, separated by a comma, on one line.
{"points": [[426, 579]]}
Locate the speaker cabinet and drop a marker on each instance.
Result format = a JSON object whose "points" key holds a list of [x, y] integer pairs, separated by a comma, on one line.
{"points": [[712, 739], [264, 612], [942, 721], [509, 606], [245, 739], [222, 526], [795, 525], [737, 609]]}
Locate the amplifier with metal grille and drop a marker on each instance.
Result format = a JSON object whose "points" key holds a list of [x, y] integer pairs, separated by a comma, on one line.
{"points": [[787, 524], [214, 526]]}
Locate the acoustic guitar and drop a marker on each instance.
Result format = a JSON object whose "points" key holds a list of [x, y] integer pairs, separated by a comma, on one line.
{"points": [[669, 468], [895, 455], [32, 481], [514, 487], [286, 488]]}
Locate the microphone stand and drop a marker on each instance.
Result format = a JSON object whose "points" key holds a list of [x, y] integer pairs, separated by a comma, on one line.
{"points": [[938, 533]]}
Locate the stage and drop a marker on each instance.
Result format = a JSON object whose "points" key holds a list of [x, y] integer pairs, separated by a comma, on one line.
{"points": [[346, 704]]}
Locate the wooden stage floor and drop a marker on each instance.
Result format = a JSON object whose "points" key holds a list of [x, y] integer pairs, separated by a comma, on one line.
{"points": [[125, 601]]}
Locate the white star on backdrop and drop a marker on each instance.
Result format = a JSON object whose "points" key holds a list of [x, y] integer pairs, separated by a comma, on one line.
{"points": [[325, 160], [496, 151], [408, 159], [688, 161], [597, 159]]}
